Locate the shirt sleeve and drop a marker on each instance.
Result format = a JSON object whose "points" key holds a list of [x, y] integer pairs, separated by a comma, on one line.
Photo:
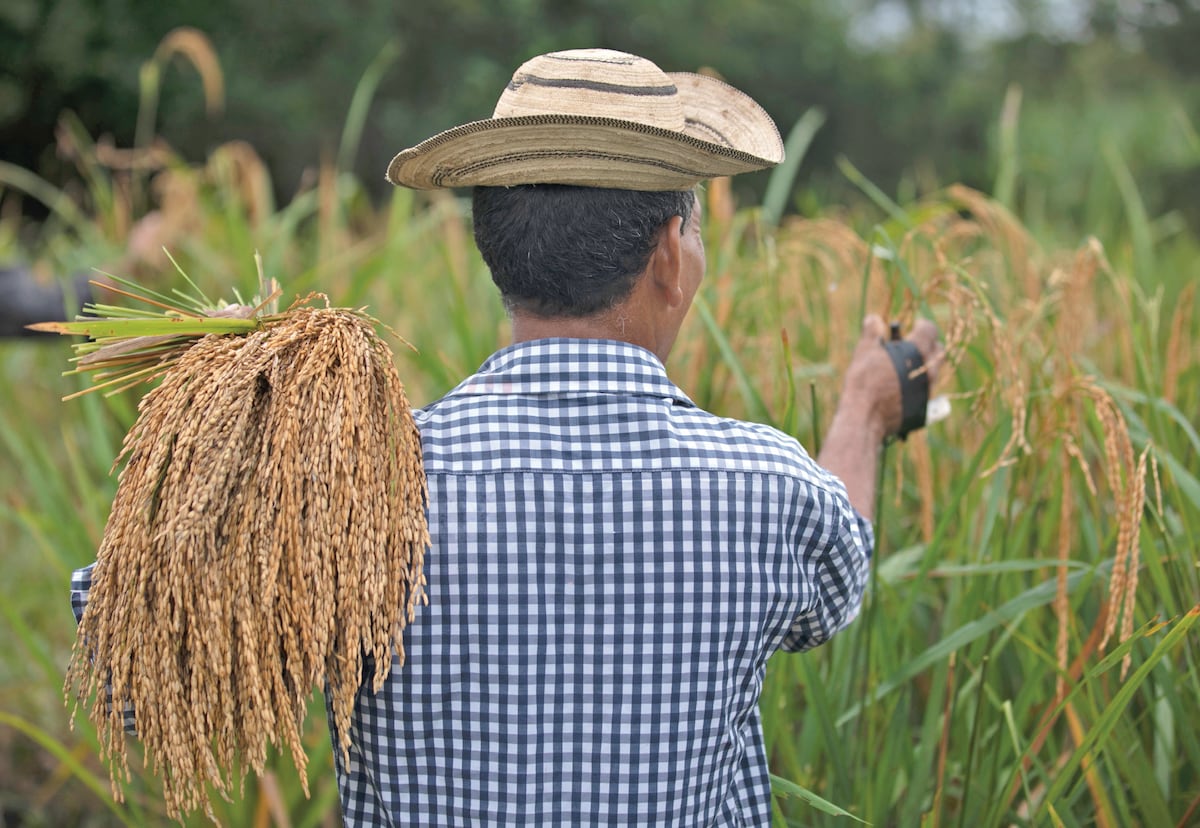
{"points": [[81, 587], [835, 563]]}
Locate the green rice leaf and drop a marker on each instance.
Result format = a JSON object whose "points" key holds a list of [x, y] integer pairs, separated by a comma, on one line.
{"points": [[754, 404], [163, 326], [67, 759], [1120, 701], [138, 290], [1006, 613], [786, 788], [779, 186]]}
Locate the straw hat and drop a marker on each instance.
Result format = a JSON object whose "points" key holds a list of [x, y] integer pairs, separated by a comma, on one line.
{"points": [[599, 118]]}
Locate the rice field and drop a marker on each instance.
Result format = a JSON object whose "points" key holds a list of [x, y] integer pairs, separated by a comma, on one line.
{"points": [[1027, 653]]}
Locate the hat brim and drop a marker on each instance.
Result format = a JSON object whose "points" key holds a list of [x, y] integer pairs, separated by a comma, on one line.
{"points": [[726, 133]]}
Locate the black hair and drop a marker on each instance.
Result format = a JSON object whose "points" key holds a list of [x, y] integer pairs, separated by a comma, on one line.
{"points": [[559, 250]]}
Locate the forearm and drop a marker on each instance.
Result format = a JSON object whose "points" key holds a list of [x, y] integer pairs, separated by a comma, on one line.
{"points": [[871, 409], [851, 452]]}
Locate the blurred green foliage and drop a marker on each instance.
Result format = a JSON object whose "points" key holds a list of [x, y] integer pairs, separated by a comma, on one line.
{"points": [[911, 90], [946, 686]]}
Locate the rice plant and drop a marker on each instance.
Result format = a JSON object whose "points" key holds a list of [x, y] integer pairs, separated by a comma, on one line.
{"points": [[1027, 653]]}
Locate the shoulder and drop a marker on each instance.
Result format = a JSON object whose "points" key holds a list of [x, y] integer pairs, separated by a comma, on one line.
{"points": [[755, 446]]}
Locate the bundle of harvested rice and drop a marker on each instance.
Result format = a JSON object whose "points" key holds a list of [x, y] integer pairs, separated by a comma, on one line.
{"points": [[267, 536]]}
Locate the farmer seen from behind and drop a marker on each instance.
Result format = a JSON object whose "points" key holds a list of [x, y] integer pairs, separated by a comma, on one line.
{"points": [[610, 567]]}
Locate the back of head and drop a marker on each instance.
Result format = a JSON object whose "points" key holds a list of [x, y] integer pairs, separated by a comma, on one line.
{"points": [[566, 251]]}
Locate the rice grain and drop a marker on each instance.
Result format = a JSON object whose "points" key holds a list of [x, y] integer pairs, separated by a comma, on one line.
{"points": [[267, 536]]}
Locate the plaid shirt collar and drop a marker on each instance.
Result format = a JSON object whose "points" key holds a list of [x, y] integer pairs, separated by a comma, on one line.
{"points": [[569, 367]]}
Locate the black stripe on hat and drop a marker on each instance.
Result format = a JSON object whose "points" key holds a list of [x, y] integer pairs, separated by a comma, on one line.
{"points": [[593, 86], [715, 135]]}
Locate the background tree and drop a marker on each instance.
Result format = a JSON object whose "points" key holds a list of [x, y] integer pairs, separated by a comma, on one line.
{"points": [[912, 91]]}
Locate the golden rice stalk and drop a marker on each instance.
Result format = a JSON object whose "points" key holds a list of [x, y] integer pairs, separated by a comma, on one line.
{"points": [[1066, 528], [195, 46], [1135, 503], [1180, 352], [720, 205], [1005, 231], [922, 459], [239, 170], [267, 536], [1126, 482]]}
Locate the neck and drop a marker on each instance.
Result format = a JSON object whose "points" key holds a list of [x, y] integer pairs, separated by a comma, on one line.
{"points": [[617, 323]]}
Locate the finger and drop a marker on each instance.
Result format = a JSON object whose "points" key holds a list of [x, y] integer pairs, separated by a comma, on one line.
{"points": [[873, 328], [924, 335], [933, 363]]}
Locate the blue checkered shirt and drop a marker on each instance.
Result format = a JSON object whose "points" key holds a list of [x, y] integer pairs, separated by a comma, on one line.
{"points": [[611, 568]]}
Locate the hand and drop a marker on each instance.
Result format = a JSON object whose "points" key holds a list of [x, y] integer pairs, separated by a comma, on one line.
{"points": [[870, 409], [871, 389]]}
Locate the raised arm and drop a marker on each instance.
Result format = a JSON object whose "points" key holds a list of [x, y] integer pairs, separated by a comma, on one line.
{"points": [[870, 409]]}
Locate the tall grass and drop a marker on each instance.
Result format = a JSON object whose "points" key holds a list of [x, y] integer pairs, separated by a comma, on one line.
{"points": [[1027, 653]]}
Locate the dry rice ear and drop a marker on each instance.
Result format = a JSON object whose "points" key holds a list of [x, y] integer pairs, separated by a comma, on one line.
{"points": [[267, 536]]}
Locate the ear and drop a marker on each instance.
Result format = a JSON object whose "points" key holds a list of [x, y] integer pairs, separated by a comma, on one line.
{"points": [[666, 263]]}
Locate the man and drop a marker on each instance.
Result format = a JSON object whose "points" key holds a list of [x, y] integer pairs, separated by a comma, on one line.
{"points": [[610, 566]]}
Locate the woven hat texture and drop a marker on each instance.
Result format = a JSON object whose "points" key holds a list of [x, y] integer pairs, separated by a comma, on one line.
{"points": [[599, 118]]}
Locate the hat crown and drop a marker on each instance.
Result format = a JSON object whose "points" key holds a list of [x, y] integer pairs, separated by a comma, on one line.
{"points": [[599, 118], [596, 83]]}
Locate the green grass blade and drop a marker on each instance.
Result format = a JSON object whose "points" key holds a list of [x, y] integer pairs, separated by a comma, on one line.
{"points": [[755, 408], [67, 759], [876, 195], [33, 644], [1120, 701], [1008, 612], [360, 104], [1135, 211], [901, 565], [1009, 161], [779, 185], [59, 202], [198, 296], [192, 303], [786, 788]]}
